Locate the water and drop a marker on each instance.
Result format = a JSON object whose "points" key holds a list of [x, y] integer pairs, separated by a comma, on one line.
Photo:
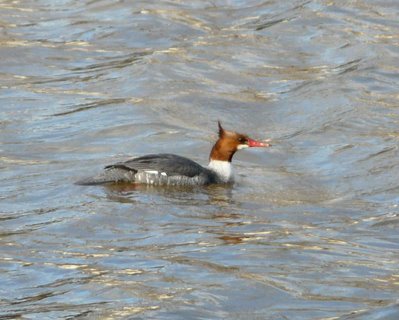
{"points": [[309, 231]]}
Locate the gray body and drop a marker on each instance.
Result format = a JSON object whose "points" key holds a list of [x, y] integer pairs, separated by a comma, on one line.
{"points": [[155, 169]]}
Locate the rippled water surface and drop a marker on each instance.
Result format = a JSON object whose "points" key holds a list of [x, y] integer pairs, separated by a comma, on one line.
{"points": [[310, 229]]}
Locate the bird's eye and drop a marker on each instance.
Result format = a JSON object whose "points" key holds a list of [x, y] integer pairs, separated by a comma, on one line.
{"points": [[241, 140]]}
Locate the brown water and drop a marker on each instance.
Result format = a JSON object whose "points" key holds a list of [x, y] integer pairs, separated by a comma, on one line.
{"points": [[309, 231]]}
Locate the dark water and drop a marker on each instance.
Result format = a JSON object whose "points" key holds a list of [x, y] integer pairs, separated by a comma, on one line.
{"points": [[309, 231]]}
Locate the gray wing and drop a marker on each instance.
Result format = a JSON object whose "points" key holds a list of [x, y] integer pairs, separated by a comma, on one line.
{"points": [[171, 164]]}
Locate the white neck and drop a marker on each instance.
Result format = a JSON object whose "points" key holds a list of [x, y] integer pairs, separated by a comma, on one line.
{"points": [[223, 169]]}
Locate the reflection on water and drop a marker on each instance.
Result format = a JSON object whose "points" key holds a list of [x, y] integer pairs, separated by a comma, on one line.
{"points": [[213, 195], [309, 231]]}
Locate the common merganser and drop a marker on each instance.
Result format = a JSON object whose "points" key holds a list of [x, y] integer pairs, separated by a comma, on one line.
{"points": [[170, 169]]}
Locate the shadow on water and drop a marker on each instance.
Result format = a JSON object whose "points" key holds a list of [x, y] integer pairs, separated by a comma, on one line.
{"points": [[214, 195]]}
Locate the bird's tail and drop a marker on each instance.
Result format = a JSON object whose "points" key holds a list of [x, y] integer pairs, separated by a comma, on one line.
{"points": [[91, 181]]}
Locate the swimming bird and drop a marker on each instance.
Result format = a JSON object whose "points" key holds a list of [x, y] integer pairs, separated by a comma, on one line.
{"points": [[171, 169]]}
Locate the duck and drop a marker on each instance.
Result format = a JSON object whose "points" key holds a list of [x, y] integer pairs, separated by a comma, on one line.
{"points": [[165, 169]]}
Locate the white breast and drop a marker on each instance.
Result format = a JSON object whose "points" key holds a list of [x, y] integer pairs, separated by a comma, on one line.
{"points": [[223, 169]]}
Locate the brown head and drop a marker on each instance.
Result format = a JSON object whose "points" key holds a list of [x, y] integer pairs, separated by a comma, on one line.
{"points": [[229, 142]]}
